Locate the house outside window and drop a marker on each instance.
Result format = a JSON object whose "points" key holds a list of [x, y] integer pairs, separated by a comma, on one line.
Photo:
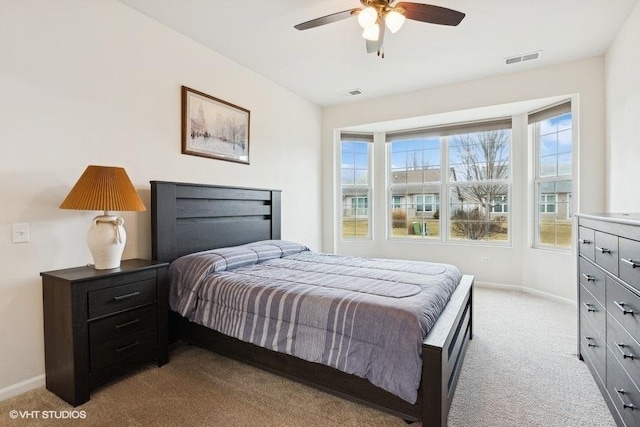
{"points": [[355, 185], [552, 139]]}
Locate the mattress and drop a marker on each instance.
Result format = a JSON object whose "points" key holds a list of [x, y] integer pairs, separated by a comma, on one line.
{"points": [[366, 317]]}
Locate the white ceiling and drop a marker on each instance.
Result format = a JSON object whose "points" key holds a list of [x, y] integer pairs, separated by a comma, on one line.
{"points": [[321, 63]]}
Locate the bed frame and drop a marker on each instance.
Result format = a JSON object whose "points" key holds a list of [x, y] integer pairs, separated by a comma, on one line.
{"points": [[188, 218]]}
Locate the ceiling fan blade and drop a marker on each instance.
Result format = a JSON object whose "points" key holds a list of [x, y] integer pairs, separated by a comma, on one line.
{"points": [[431, 14], [372, 46], [381, 38], [327, 19]]}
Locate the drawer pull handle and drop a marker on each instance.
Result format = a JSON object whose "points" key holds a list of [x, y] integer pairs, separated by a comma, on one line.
{"points": [[127, 347], [589, 277], [124, 325], [603, 250], [625, 311], [625, 405], [632, 263], [127, 296], [590, 344], [584, 241], [624, 355], [589, 306]]}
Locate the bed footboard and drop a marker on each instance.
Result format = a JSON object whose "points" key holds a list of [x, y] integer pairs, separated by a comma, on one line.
{"points": [[443, 352]]}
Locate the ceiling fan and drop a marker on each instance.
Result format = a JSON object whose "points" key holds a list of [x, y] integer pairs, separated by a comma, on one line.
{"points": [[377, 14]]}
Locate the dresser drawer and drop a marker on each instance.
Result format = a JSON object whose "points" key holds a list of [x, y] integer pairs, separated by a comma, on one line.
{"points": [[118, 298], [630, 262], [624, 348], [586, 243], [624, 306], [132, 346], [592, 278], [593, 311], [120, 325], [625, 396], [593, 348], [606, 249]]}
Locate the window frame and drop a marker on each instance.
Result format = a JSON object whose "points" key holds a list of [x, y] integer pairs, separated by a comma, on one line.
{"points": [[534, 120], [369, 197], [445, 185]]}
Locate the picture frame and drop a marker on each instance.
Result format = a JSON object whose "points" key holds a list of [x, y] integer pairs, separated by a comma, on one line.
{"points": [[214, 128]]}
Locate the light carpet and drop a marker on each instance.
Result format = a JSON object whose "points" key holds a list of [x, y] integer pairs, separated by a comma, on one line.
{"points": [[520, 369]]}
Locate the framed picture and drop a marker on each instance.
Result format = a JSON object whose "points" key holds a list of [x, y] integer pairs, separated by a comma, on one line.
{"points": [[214, 128]]}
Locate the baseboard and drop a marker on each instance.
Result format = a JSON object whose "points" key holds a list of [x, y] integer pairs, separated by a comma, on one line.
{"points": [[22, 387], [525, 290]]}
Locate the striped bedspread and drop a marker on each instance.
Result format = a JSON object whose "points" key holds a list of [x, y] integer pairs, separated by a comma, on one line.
{"points": [[366, 317]]}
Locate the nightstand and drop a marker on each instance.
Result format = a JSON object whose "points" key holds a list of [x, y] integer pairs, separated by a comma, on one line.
{"points": [[100, 323]]}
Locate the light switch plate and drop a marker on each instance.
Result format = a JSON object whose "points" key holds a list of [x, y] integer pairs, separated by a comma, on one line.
{"points": [[21, 232]]}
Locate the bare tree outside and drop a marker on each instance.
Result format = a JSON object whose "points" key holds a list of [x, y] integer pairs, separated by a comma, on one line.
{"points": [[479, 162]]}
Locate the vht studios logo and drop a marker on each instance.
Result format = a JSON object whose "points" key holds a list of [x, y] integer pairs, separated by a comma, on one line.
{"points": [[44, 415]]}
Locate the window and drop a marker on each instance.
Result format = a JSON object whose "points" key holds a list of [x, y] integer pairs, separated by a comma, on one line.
{"points": [[499, 204], [548, 202], [359, 206], [415, 185], [427, 202], [551, 134], [355, 185], [469, 163]]}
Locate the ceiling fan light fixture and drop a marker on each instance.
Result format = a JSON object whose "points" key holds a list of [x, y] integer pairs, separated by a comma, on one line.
{"points": [[367, 17], [394, 20], [372, 33]]}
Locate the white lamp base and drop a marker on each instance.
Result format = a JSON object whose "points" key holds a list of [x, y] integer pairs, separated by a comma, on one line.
{"points": [[106, 241]]}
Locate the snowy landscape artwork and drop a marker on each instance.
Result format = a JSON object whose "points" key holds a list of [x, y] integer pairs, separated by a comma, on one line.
{"points": [[214, 128]]}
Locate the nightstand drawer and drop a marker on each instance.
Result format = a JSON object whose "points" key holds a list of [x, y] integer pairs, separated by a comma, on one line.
{"points": [[118, 298], [123, 348], [120, 325]]}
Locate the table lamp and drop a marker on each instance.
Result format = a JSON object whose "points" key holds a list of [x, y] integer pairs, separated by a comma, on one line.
{"points": [[105, 188]]}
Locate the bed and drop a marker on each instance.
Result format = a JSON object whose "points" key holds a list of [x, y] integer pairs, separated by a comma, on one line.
{"points": [[190, 218]]}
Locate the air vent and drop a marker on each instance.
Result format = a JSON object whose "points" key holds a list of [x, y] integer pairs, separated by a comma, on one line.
{"points": [[352, 92], [523, 58]]}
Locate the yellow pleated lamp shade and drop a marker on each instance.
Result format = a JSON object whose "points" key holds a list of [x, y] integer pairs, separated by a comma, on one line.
{"points": [[103, 188]]}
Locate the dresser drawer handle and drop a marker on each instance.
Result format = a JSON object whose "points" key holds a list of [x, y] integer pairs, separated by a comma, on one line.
{"points": [[585, 241], [590, 344], [124, 325], [127, 296], [632, 263], [604, 250], [589, 277], [590, 307], [625, 405], [624, 355], [621, 305], [127, 347]]}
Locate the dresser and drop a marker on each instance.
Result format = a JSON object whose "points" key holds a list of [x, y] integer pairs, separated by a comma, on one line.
{"points": [[99, 324], [609, 309]]}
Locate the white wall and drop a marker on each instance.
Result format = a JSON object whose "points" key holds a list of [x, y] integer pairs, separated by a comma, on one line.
{"points": [[518, 265], [95, 82], [623, 117]]}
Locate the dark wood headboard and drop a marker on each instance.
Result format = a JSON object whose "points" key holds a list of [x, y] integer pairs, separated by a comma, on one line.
{"points": [[187, 218]]}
